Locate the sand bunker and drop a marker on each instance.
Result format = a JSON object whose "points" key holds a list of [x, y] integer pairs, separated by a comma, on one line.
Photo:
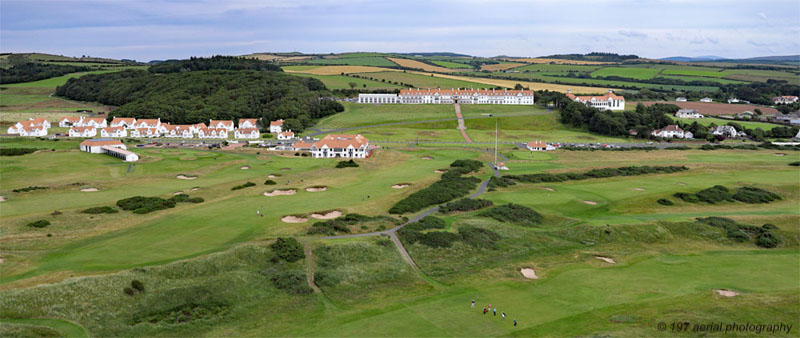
{"points": [[549, 189], [427, 158], [294, 219], [2, 199], [440, 171], [273, 175], [780, 154], [638, 189], [316, 189], [184, 177], [195, 188], [726, 293], [280, 192], [529, 273], [177, 193], [89, 189], [400, 185], [329, 215], [2, 260], [245, 167], [590, 202], [606, 259]]}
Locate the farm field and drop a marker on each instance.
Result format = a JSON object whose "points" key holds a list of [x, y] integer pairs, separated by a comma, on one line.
{"points": [[343, 82], [205, 255], [497, 67], [545, 78], [334, 70], [375, 61], [711, 108], [555, 61], [531, 85], [633, 73], [414, 64], [698, 78], [425, 80], [450, 64], [706, 121]]}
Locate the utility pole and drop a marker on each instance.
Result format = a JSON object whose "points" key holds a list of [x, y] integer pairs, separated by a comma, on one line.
{"points": [[495, 143]]}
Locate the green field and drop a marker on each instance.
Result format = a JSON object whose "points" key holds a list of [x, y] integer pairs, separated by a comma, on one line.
{"points": [[609, 83], [702, 73], [633, 73], [698, 78], [449, 64], [376, 61], [706, 121], [422, 81], [343, 82]]}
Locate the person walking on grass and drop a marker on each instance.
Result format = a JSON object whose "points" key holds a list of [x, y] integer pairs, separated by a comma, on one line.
{"points": [[515, 322], [473, 303], [503, 315], [495, 311], [484, 310]]}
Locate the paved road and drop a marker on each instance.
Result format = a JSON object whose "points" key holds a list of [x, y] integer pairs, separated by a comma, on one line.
{"points": [[461, 127]]}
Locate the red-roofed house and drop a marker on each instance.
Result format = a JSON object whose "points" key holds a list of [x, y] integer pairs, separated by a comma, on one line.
{"points": [[82, 132], [286, 135], [248, 123], [94, 122], [195, 128], [109, 147], [220, 133], [145, 132], [29, 125], [786, 99], [672, 131], [178, 130], [539, 146], [349, 146], [34, 131], [609, 101], [113, 132], [148, 123], [302, 145], [221, 124], [124, 122], [246, 133], [69, 121], [276, 126]]}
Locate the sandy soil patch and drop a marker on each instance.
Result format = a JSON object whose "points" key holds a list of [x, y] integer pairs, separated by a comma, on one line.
{"points": [[280, 192], [273, 175], [2, 199], [316, 189], [440, 171], [2, 260], [529, 273], [726, 293], [329, 215], [177, 193], [590, 202], [184, 177], [606, 259], [427, 158], [245, 167], [188, 158], [89, 189], [549, 189], [400, 186], [638, 189], [294, 219], [195, 188]]}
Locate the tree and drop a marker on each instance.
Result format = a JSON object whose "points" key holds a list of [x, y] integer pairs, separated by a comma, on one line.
{"points": [[518, 87], [352, 85], [288, 249]]}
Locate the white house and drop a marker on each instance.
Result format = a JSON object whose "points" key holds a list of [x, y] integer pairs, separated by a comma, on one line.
{"points": [[680, 99], [688, 114], [113, 132], [378, 98], [69, 121], [786, 99], [179, 130], [148, 123], [94, 122], [30, 124], [348, 146], [248, 123], [246, 133], [706, 99], [450, 96], [34, 131], [109, 147], [539, 146], [195, 128], [219, 133], [82, 132], [124, 122], [609, 101], [276, 126], [221, 124], [670, 131], [286, 135], [145, 132], [727, 131]]}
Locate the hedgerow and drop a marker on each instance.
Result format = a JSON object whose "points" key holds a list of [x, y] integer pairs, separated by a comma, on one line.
{"points": [[143, 205], [465, 204], [100, 210], [764, 235], [27, 189], [514, 213], [16, 151], [451, 185], [427, 222], [500, 182], [596, 173], [754, 195], [718, 193], [242, 186]]}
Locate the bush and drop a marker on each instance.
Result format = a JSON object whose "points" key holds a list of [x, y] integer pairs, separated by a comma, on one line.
{"points": [[742, 232], [16, 151], [56, 213], [291, 281], [686, 197], [100, 210], [754, 195], [427, 222], [450, 186], [500, 182], [769, 226], [768, 240], [340, 225], [479, 237], [326, 279], [596, 173], [288, 249], [465, 204], [27, 189], [470, 165], [664, 201], [439, 239], [795, 164], [195, 200], [128, 291], [347, 164], [270, 182], [514, 213], [138, 285], [246, 185], [715, 194], [143, 205], [39, 224]]}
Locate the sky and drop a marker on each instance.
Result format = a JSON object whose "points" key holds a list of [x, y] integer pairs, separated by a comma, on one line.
{"points": [[147, 30]]}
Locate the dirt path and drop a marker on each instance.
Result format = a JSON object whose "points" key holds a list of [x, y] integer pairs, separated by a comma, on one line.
{"points": [[461, 127], [310, 278]]}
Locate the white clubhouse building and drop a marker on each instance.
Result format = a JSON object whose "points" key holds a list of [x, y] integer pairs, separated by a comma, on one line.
{"points": [[450, 96], [609, 101]]}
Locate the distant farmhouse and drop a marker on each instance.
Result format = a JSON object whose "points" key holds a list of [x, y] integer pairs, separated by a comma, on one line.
{"points": [[450, 96], [609, 101], [688, 114], [672, 131], [706, 99], [727, 132], [539, 146], [784, 99]]}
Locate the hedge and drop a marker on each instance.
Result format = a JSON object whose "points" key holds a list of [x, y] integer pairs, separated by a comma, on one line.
{"points": [[246, 185], [451, 185], [16, 151], [514, 213], [596, 173], [465, 204], [100, 210], [26, 189]]}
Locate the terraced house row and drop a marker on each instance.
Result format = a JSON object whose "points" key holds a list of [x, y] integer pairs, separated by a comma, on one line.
{"points": [[451, 96]]}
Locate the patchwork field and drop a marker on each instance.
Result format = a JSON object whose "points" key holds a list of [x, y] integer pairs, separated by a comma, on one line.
{"points": [[414, 64], [334, 70], [343, 82]]}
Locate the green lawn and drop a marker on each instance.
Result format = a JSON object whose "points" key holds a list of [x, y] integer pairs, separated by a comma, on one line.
{"points": [[449, 64]]}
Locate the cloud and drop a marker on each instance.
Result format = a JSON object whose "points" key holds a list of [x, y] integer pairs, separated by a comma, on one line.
{"points": [[633, 34]]}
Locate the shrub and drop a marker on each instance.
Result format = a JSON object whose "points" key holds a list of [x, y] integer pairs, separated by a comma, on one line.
{"points": [[427, 222], [347, 164], [465, 204], [270, 182], [195, 200], [500, 182], [138, 285], [795, 164], [768, 240], [16, 151], [514, 213], [754, 195], [470, 165], [100, 210], [27, 189], [291, 281], [56, 213], [384, 242], [39, 224], [686, 197], [340, 225], [596, 173], [288, 249], [715, 194], [128, 291], [664, 201], [326, 279], [450, 186], [439, 239], [246, 185], [143, 205], [479, 237], [769, 226]]}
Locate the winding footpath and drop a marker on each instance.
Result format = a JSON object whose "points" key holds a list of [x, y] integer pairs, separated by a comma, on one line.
{"points": [[461, 127]]}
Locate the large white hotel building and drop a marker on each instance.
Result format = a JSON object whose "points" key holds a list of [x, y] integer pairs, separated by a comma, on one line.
{"points": [[609, 101], [450, 96]]}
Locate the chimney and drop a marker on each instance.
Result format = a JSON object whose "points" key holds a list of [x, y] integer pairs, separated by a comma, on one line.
{"points": [[610, 91]]}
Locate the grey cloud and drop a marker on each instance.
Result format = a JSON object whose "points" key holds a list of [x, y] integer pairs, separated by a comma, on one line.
{"points": [[633, 34]]}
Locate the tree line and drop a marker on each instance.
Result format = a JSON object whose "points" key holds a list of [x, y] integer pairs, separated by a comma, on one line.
{"points": [[214, 62], [26, 72]]}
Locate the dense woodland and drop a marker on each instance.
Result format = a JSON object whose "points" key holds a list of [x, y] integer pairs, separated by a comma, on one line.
{"points": [[26, 72], [197, 96], [215, 62]]}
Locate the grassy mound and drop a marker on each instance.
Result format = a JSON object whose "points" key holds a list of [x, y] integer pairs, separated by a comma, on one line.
{"points": [[427, 222], [514, 213], [465, 204]]}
